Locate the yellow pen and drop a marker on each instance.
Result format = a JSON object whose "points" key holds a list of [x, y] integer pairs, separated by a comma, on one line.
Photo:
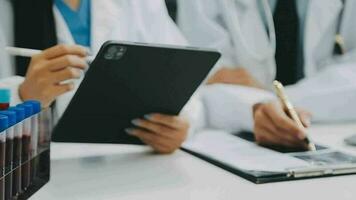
{"points": [[291, 111]]}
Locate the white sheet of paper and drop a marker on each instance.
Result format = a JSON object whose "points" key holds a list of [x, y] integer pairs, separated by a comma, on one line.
{"points": [[241, 154]]}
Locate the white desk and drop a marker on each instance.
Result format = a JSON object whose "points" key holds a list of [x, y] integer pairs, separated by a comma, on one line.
{"points": [[130, 172]]}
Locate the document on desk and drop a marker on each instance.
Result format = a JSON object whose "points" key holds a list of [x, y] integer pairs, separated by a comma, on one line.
{"points": [[241, 154], [246, 156]]}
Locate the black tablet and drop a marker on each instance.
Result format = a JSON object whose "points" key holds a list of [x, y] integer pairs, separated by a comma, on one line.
{"points": [[125, 82]]}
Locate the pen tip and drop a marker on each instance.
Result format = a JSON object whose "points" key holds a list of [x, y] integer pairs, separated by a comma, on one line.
{"points": [[312, 147]]}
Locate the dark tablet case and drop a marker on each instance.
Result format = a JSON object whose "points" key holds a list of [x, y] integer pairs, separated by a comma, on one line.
{"points": [[147, 79]]}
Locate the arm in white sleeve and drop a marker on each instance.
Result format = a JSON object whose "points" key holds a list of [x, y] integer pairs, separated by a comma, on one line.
{"points": [[13, 83], [194, 112], [229, 107], [330, 95]]}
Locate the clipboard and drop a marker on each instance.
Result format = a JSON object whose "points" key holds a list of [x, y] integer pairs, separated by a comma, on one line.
{"points": [[339, 163]]}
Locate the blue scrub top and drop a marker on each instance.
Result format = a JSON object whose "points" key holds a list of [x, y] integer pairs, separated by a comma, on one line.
{"points": [[78, 21]]}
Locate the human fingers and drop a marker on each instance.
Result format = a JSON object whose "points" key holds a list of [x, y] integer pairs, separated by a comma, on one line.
{"points": [[171, 121], [65, 61], [159, 144], [282, 121], [155, 128], [62, 49], [266, 132]]}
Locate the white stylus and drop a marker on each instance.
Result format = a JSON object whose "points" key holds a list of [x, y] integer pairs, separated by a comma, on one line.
{"points": [[16, 51]]}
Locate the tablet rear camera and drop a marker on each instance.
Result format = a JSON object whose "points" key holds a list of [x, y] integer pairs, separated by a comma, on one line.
{"points": [[115, 52]]}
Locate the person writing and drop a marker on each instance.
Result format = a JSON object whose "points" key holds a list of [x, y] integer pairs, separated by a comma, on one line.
{"points": [[290, 41]]}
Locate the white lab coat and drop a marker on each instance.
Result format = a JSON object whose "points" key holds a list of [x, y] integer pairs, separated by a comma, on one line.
{"points": [[7, 80], [238, 30], [125, 20], [5, 71]]}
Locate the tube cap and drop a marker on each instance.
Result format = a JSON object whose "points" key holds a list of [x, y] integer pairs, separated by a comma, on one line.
{"points": [[11, 115], [28, 109], [36, 105], [5, 95], [4, 122], [20, 113]]}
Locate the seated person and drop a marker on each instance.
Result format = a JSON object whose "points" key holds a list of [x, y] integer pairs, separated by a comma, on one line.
{"points": [[291, 41], [64, 29]]}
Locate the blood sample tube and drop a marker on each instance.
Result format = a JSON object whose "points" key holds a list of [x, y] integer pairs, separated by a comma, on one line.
{"points": [[4, 123], [18, 129], [36, 105], [4, 105], [9, 152], [26, 146]]}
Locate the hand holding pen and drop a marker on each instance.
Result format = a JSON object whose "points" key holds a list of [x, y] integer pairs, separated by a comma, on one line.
{"points": [[288, 106], [279, 124], [49, 70]]}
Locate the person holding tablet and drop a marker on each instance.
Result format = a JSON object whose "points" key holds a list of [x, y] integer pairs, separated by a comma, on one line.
{"points": [[58, 26]]}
